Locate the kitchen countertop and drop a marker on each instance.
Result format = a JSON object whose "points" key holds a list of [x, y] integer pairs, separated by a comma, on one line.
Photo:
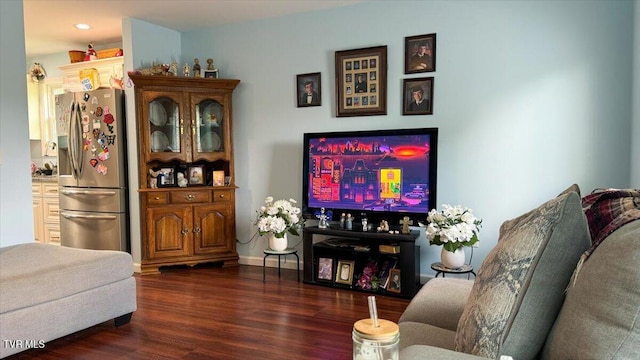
{"points": [[45, 178]]}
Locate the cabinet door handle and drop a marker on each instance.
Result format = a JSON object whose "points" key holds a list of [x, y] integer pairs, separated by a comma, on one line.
{"points": [[196, 230], [157, 198], [181, 126], [193, 129], [189, 197], [221, 196], [185, 231]]}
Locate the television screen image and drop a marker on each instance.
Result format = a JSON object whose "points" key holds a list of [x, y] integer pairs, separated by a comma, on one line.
{"points": [[385, 174]]}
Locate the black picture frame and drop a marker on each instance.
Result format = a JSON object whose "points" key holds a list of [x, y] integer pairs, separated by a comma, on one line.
{"points": [[302, 81], [413, 86], [356, 71], [416, 45], [167, 177], [325, 269], [210, 74]]}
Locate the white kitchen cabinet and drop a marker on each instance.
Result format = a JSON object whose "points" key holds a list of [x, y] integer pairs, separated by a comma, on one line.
{"points": [[111, 70], [46, 212]]}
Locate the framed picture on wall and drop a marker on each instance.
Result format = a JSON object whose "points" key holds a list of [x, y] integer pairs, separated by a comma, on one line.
{"points": [[420, 54], [308, 90], [417, 96], [361, 74]]}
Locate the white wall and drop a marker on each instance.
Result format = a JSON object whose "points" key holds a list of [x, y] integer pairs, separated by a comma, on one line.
{"points": [[143, 43], [16, 209], [635, 146], [530, 97]]}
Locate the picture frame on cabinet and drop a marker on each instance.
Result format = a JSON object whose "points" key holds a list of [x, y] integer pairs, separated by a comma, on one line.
{"points": [[196, 175], [218, 178], [417, 96], [394, 285], [210, 74], [356, 71], [167, 177], [309, 89], [420, 53], [344, 272], [325, 269]]}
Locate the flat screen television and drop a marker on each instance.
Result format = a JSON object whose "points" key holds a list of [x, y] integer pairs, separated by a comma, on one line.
{"points": [[380, 174]]}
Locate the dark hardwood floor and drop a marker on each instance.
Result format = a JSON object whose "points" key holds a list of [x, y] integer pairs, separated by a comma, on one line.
{"points": [[210, 312]]}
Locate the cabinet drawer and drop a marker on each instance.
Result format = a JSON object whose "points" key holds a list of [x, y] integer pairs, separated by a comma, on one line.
{"points": [[157, 198], [52, 234], [51, 210], [222, 195], [190, 197], [36, 189], [50, 189]]}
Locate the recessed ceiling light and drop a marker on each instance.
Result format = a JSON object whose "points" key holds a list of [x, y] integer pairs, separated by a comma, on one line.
{"points": [[82, 26]]}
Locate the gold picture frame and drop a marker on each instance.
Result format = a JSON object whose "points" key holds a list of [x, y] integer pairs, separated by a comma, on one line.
{"points": [[344, 272], [361, 82]]}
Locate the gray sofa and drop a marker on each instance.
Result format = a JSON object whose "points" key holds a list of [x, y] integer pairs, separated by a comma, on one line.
{"points": [[49, 291], [527, 302]]}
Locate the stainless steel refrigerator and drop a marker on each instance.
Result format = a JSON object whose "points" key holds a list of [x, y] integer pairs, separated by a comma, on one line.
{"points": [[92, 170]]}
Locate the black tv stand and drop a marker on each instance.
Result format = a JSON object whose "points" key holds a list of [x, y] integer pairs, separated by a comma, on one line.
{"points": [[408, 256]]}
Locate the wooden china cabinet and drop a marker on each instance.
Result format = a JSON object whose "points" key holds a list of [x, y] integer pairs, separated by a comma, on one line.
{"points": [[185, 124]]}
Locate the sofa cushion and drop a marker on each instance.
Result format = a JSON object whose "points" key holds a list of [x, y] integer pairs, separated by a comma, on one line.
{"points": [[415, 333], [520, 286], [439, 303], [600, 318], [33, 273]]}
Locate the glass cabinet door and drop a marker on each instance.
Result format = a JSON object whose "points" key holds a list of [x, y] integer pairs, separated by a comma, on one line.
{"points": [[209, 127], [164, 125]]}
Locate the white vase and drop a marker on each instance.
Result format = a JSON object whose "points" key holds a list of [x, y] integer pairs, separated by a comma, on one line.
{"points": [[277, 244], [452, 260]]}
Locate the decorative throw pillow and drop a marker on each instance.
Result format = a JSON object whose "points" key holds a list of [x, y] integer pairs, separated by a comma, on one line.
{"points": [[600, 318], [520, 286]]}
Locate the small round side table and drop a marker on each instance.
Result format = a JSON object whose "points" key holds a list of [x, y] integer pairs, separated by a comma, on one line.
{"points": [[285, 252], [439, 268]]}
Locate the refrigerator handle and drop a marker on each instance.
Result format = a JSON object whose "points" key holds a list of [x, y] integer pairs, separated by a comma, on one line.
{"points": [[87, 192], [78, 141], [72, 157], [90, 217]]}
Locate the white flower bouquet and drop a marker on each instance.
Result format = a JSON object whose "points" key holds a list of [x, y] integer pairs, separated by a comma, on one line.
{"points": [[279, 217], [453, 227]]}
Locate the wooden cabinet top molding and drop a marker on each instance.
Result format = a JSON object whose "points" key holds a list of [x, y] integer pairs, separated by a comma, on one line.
{"points": [[186, 82]]}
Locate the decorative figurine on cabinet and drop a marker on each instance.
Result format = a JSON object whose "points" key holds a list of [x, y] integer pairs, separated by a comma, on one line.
{"points": [[173, 69], [405, 224], [182, 181], [153, 179], [210, 64], [323, 217], [196, 67], [91, 53], [186, 70]]}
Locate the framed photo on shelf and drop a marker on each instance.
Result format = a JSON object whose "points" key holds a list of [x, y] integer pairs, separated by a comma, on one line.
{"points": [[196, 175], [361, 82], [394, 285], [344, 272], [325, 269], [420, 53], [385, 267], [309, 89], [210, 74], [167, 177], [417, 96], [218, 178]]}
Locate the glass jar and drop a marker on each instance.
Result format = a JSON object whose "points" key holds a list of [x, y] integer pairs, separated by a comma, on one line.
{"points": [[375, 343]]}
